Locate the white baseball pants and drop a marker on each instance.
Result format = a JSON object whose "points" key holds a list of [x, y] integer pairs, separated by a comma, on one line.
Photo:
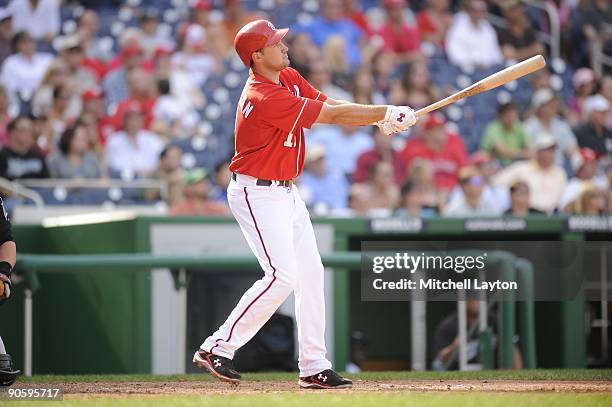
{"points": [[277, 227]]}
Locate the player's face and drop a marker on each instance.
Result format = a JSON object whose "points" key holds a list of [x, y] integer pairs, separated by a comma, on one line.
{"points": [[275, 56]]}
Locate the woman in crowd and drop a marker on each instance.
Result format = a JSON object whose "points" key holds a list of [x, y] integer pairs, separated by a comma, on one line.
{"points": [[75, 158]]}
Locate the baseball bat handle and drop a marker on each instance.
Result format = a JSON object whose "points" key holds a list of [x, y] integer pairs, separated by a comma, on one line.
{"points": [[502, 77]]}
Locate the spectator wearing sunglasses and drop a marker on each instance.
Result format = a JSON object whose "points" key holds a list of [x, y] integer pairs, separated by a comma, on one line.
{"points": [[471, 201]]}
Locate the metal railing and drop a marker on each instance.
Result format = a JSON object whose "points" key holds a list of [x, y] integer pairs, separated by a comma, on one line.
{"points": [[94, 183], [22, 191]]}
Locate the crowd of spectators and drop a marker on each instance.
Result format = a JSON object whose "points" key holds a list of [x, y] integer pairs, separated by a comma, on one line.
{"points": [[73, 106]]}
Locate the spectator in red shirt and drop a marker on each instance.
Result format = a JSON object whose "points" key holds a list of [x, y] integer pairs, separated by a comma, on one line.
{"points": [[434, 20], [400, 37], [444, 149], [142, 91], [382, 151]]}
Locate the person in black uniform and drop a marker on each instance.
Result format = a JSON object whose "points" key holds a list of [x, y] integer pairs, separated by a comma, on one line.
{"points": [[8, 257]]}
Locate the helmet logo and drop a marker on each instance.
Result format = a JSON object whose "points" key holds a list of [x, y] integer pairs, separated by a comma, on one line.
{"points": [[271, 26]]}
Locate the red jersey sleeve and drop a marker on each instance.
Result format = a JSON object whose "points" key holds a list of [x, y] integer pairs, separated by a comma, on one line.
{"points": [[306, 89], [287, 112]]}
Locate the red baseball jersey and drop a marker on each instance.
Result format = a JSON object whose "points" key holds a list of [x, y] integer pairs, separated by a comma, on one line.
{"points": [[270, 122]]}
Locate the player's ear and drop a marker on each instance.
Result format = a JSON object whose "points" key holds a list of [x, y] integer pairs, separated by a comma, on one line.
{"points": [[257, 55]]}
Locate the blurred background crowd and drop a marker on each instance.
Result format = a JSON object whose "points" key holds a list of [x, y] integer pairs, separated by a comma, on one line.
{"points": [[147, 89]]}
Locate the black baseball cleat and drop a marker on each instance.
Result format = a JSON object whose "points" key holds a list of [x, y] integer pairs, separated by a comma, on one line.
{"points": [[7, 374], [220, 367], [327, 379]]}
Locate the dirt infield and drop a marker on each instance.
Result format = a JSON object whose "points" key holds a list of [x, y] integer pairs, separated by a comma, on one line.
{"points": [[95, 389]]}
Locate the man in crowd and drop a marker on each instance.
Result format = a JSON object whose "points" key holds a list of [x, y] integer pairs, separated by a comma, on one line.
{"points": [[546, 122], [196, 200], [444, 149], [322, 187], [545, 179], [471, 41], [505, 138], [134, 149], [471, 201], [594, 134], [20, 159], [519, 201], [518, 41]]}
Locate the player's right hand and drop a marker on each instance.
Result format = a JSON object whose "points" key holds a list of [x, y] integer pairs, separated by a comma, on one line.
{"points": [[388, 129]]}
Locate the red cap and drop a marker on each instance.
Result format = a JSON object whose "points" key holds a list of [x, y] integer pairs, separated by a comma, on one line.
{"points": [[91, 94], [480, 157], [132, 107], [256, 35], [131, 50], [202, 5], [161, 52], [433, 120], [394, 3]]}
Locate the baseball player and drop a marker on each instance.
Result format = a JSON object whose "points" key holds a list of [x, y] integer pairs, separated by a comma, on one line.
{"points": [[274, 108], [8, 256]]}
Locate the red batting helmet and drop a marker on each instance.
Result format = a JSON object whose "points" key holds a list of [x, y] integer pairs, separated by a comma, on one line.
{"points": [[256, 35]]}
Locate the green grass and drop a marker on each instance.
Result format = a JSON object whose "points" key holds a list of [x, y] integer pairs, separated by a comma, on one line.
{"points": [[538, 374], [352, 399], [332, 399]]}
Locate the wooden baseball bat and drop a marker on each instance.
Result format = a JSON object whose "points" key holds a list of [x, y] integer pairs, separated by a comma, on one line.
{"points": [[490, 82]]}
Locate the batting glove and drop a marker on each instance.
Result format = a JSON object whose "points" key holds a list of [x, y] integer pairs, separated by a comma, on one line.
{"points": [[397, 119], [5, 281], [388, 129]]}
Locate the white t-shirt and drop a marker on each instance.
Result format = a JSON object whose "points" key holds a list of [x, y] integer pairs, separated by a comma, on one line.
{"points": [[198, 66], [458, 206], [468, 46], [45, 19], [136, 155], [545, 185], [20, 74]]}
